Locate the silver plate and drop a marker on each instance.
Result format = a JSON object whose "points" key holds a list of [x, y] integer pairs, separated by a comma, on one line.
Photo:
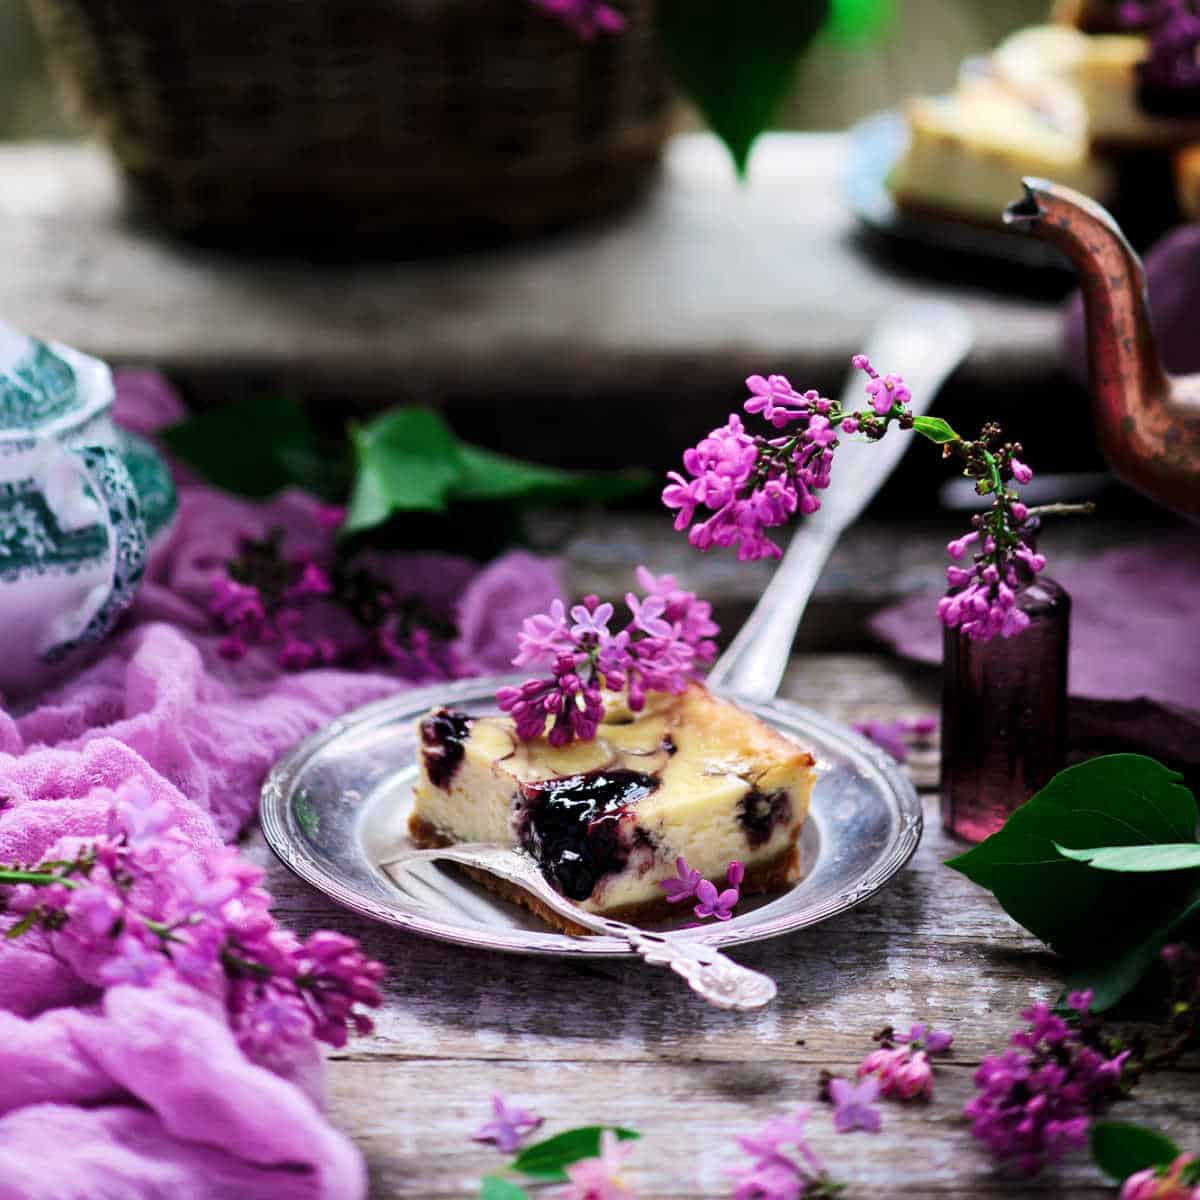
{"points": [[336, 809]]}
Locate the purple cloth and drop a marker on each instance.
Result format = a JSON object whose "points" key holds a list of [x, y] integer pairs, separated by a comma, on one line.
{"points": [[1173, 282], [143, 1092], [1133, 623]]}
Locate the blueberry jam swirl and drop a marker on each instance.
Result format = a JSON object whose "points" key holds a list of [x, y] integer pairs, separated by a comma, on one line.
{"points": [[444, 734], [572, 826], [760, 812]]}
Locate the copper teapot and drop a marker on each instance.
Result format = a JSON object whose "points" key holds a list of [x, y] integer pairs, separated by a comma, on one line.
{"points": [[1147, 422]]}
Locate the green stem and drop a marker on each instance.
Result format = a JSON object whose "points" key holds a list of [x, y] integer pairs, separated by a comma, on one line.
{"points": [[165, 933], [40, 878], [229, 959], [994, 468]]}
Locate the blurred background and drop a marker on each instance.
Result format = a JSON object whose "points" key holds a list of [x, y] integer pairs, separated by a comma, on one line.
{"points": [[358, 230], [492, 199], [840, 83]]}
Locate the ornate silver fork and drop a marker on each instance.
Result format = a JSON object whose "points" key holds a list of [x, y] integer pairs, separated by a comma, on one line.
{"points": [[718, 979]]}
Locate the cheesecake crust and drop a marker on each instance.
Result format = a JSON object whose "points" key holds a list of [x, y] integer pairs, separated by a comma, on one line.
{"points": [[769, 875]]}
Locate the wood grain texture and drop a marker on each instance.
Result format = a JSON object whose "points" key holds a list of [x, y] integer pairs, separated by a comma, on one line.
{"points": [[617, 1042]]}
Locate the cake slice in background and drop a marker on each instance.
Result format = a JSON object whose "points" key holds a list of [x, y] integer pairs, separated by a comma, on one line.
{"points": [[1060, 101], [967, 151]]}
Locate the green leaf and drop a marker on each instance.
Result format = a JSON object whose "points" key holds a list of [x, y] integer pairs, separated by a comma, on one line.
{"points": [[736, 59], [492, 1187], [406, 461], [251, 447], [935, 429], [1180, 856], [1088, 915], [486, 475], [1121, 1150], [859, 22], [545, 1160]]}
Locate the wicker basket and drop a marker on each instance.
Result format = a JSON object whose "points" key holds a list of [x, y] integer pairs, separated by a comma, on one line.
{"points": [[429, 120]]}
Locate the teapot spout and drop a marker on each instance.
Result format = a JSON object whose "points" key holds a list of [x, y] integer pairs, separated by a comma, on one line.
{"points": [[1148, 425]]}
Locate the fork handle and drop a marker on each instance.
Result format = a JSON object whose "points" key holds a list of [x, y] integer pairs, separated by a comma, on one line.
{"points": [[718, 979], [715, 977]]}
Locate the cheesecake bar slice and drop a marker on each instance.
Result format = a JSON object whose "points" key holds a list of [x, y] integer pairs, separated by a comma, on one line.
{"points": [[691, 775], [967, 152]]}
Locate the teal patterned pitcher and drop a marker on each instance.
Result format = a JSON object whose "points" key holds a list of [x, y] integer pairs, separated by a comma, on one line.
{"points": [[80, 503]]}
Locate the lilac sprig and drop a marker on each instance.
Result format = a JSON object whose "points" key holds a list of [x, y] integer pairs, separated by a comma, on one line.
{"points": [[323, 612], [983, 604], [783, 1166], [660, 649], [141, 902], [1036, 1101], [741, 485]]}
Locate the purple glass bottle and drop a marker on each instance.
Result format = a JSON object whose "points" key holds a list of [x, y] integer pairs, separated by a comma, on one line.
{"points": [[1004, 714]]}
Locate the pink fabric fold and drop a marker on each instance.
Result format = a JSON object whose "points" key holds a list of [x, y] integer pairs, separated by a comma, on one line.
{"points": [[143, 1092]]}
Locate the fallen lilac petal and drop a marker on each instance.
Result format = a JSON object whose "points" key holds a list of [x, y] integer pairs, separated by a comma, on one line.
{"points": [[852, 1104]]}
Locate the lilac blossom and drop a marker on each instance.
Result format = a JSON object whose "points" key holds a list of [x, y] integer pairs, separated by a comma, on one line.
{"points": [[783, 1165], [921, 1037], [683, 609], [509, 1127], [667, 639], [602, 1177], [141, 902], [853, 1105], [1036, 1101], [886, 391], [903, 1074], [132, 961], [901, 1065], [543, 637], [720, 905], [683, 885], [687, 883]]}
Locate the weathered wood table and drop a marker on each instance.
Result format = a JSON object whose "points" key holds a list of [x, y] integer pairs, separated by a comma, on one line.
{"points": [[614, 1043]]}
